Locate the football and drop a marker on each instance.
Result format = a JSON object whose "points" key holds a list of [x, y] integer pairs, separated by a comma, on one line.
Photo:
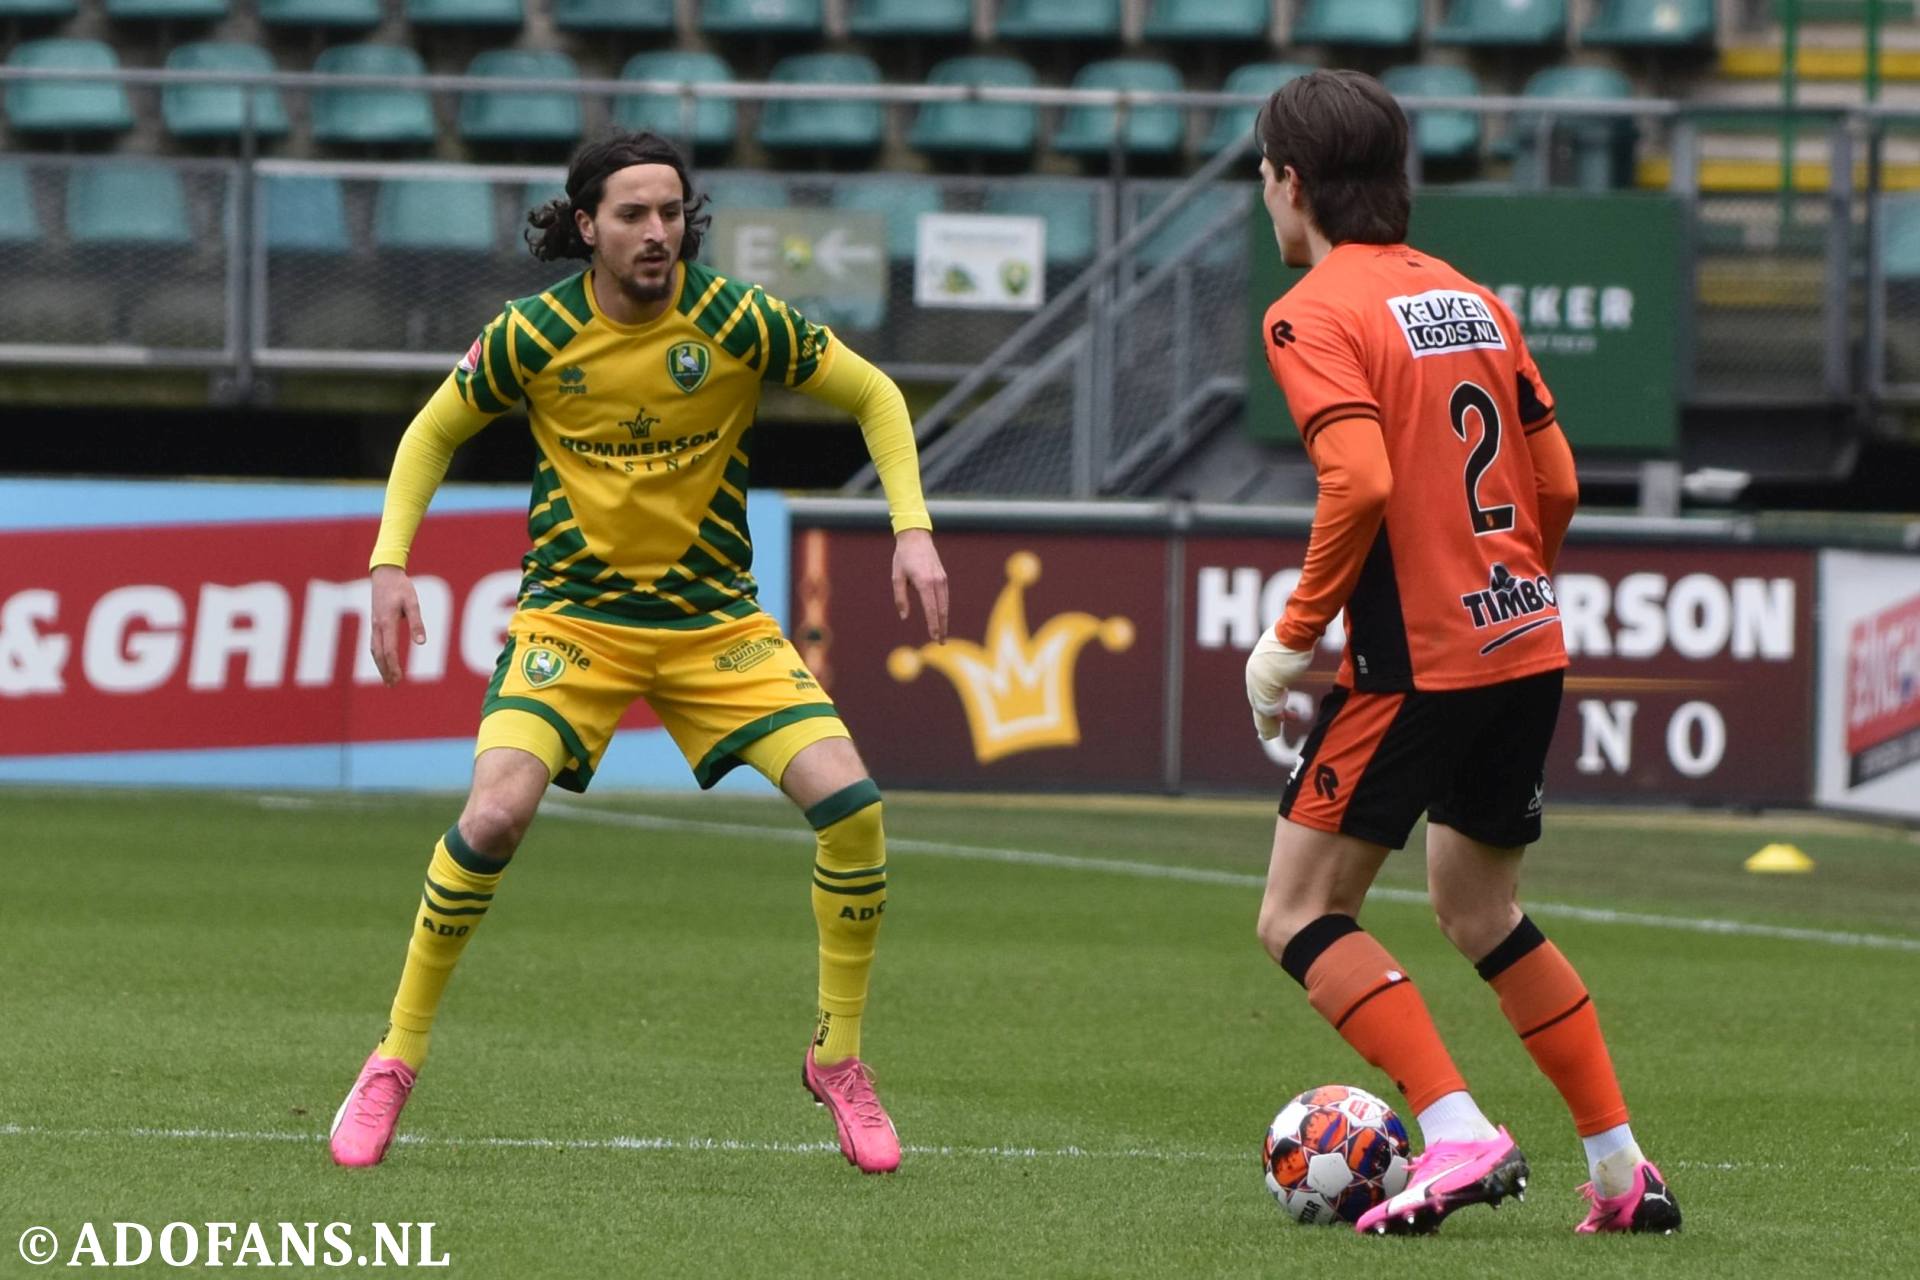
{"points": [[1333, 1153]]}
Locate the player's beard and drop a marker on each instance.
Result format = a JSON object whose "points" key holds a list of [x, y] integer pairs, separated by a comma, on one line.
{"points": [[644, 291]]}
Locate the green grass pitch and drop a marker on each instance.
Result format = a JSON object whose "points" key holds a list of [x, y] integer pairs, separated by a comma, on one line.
{"points": [[1079, 1039]]}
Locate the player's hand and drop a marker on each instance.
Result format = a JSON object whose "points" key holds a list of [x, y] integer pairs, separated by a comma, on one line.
{"points": [[396, 617], [916, 566], [1272, 669]]}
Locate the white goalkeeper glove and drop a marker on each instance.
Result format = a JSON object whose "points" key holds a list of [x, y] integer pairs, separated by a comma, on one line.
{"points": [[1272, 668]]}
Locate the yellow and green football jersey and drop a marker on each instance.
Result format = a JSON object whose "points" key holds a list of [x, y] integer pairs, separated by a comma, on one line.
{"points": [[642, 433]]}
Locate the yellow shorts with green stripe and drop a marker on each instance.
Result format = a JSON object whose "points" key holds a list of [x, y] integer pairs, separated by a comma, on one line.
{"points": [[730, 694]]}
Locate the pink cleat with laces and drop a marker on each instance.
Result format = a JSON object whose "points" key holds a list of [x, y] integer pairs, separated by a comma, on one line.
{"points": [[1645, 1206], [363, 1126], [867, 1137], [1448, 1176]]}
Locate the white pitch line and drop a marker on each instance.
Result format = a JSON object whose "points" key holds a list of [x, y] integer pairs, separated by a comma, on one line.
{"points": [[1238, 879]]}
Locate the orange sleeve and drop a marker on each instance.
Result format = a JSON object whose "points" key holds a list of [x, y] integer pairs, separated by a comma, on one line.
{"points": [[1355, 481], [1313, 355], [1556, 488]]}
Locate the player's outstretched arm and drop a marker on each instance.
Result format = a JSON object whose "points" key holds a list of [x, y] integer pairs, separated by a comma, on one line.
{"points": [[851, 384], [419, 465]]}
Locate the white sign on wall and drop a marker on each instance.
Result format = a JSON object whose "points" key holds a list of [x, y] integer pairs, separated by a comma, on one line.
{"points": [[1869, 745], [980, 260]]}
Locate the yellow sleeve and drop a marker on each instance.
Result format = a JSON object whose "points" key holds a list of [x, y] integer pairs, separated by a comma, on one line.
{"points": [[443, 424], [847, 382]]}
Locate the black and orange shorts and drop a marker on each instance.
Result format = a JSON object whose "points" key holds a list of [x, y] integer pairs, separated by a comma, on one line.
{"points": [[1471, 759]]}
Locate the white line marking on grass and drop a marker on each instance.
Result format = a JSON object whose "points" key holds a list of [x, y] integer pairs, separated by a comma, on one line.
{"points": [[1238, 879], [621, 1143]]}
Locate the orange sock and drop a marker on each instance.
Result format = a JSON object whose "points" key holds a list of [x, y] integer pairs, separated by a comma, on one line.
{"points": [[1549, 1006], [1372, 1003]]}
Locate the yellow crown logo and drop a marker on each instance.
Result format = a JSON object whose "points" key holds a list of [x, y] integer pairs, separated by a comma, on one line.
{"points": [[1017, 687]]}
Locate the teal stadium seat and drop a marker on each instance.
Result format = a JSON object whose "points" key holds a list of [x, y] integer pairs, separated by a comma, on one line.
{"points": [[889, 19], [1208, 20], [762, 17], [380, 116], [850, 126], [127, 203], [1502, 22], [38, 8], [167, 10], [1602, 147], [744, 190], [1233, 123], [1068, 211], [321, 13], [466, 13], [1060, 20], [219, 110], [67, 106], [437, 215], [549, 115], [1439, 135], [1389, 23], [613, 15], [303, 214], [19, 224], [1089, 131], [1191, 222], [977, 128], [715, 120], [1651, 23], [903, 200], [1899, 236]]}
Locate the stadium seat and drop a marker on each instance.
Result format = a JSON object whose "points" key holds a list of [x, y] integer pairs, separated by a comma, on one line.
{"points": [[218, 110], [762, 17], [823, 124], [371, 115], [1651, 22], [613, 15], [744, 190], [902, 199], [167, 10], [1068, 211], [19, 224], [1089, 131], [550, 115], [67, 106], [1060, 20], [1208, 20], [321, 13], [434, 215], [715, 120], [303, 214], [1502, 22], [466, 13], [38, 8], [977, 128], [882, 19], [1192, 221], [1602, 147], [127, 202], [1232, 123], [1439, 135], [1371, 22]]}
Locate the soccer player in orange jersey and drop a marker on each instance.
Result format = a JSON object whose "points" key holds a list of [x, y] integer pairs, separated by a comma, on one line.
{"points": [[1446, 487]]}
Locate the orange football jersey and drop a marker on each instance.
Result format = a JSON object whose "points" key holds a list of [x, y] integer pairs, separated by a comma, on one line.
{"points": [[1454, 591]]}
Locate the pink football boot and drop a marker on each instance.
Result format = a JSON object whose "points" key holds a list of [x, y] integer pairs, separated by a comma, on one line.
{"points": [[1448, 1176], [867, 1137], [363, 1126], [1645, 1206]]}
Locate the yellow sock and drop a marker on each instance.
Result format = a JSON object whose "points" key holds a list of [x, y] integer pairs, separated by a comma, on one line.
{"points": [[849, 899], [459, 889]]}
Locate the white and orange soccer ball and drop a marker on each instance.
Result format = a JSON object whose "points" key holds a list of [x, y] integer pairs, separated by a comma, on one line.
{"points": [[1333, 1153]]}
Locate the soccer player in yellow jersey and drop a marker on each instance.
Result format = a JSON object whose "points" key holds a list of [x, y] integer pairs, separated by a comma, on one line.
{"points": [[640, 376]]}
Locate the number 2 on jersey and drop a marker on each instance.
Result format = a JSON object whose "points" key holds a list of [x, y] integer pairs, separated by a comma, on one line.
{"points": [[1471, 397]]}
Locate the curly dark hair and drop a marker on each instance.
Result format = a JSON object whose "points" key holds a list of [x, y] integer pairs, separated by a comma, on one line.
{"points": [[555, 235], [1346, 137]]}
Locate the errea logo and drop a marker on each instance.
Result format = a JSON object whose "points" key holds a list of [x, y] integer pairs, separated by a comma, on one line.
{"points": [[1443, 320]]}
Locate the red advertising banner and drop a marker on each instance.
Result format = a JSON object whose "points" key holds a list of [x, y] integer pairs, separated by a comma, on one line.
{"points": [[1053, 676], [1883, 691], [1691, 676], [243, 634]]}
